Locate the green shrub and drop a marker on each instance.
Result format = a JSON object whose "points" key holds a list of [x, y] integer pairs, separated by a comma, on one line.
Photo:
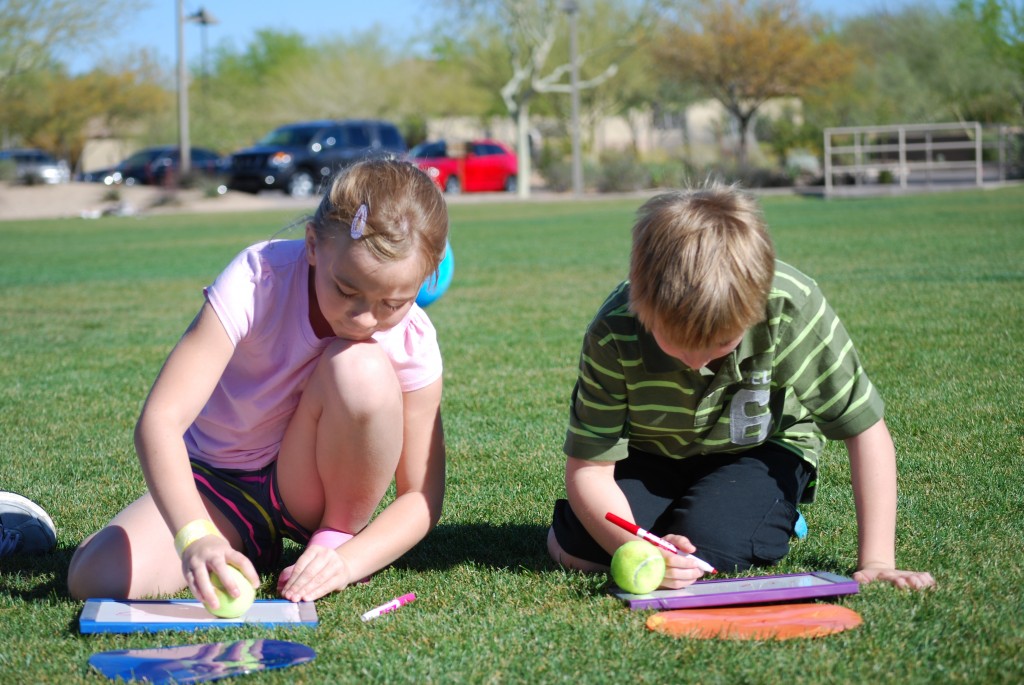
{"points": [[750, 177], [621, 172], [557, 174], [673, 173]]}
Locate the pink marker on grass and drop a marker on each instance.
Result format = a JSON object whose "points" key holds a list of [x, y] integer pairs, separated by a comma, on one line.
{"points": [[389, 606], [656, 541]]}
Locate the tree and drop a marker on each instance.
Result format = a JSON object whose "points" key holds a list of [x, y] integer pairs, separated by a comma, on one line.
{"points": [[919, 65], [745, 52], [280, 77], [527, 31], [33, 35], [1000, 28], [613, 32], [32, 30], [48, 108]]}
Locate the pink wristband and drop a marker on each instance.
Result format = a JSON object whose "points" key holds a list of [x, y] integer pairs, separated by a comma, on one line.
{"points": [[330, 538]]}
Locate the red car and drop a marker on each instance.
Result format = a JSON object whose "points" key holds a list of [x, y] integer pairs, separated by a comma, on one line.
{"points": [[479, 165]]}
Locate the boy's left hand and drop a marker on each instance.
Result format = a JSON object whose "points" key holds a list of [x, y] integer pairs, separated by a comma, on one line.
{"points": [[909, 580]]}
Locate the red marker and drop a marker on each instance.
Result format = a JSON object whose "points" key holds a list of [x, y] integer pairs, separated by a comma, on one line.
{"points": [[655, 540]]}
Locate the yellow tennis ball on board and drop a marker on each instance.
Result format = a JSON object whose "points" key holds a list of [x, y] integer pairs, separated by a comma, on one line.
{"points": [[232, 607], [638, 567]]}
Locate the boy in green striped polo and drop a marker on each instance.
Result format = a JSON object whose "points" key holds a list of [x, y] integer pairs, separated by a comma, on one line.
{"points": [[708, 384]]}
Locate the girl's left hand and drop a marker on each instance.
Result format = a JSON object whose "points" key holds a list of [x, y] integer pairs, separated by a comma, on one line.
{"points": [[909, 580], [319, 571]]}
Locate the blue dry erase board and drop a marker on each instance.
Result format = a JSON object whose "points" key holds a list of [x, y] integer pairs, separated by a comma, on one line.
{"points": [[200, 663], [136, 616], [752, 590]]}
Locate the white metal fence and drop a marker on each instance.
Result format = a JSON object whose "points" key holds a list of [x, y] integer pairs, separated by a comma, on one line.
{"points": [[904, 154]]}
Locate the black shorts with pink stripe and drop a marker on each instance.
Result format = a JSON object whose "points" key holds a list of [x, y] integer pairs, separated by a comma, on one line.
{"points": [[252, 503]]}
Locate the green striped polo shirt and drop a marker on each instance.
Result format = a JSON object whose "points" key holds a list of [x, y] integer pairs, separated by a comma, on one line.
{"points": [[794, 380]]}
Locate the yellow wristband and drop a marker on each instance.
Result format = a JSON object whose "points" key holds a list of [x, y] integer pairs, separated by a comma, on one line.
{"points": [[193, 531]]}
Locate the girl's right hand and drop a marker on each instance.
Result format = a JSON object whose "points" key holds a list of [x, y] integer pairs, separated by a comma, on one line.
{"points": [[317, 572], [212, 554], [680, 570]]}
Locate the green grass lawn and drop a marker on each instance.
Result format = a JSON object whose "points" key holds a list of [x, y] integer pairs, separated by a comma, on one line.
{"points": [[930, 287]]}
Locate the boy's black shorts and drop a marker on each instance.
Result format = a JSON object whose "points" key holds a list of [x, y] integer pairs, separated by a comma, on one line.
{"points": [[738, 510]]}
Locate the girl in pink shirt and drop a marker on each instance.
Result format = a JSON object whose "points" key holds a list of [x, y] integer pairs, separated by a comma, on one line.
{"points": [[308, 381]]}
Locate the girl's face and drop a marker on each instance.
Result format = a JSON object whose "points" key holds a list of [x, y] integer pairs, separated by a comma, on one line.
{"points": [[356, 294], [701, 357]]}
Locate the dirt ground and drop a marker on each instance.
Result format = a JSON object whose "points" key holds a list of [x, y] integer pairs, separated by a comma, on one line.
{"points": [[92, 200]]}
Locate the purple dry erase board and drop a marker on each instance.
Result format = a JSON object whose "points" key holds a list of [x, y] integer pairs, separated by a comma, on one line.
{"points": [[752, 590]]}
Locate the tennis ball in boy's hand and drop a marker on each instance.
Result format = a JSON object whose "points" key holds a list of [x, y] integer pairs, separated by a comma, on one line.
{"points": [[232, 607], [638, 567]]}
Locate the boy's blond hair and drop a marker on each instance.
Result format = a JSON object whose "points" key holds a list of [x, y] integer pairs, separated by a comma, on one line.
{"points": [[405, 211], [701, 266]]}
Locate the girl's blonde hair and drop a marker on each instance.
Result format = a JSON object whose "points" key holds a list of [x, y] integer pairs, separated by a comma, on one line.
{"points": [[405, 211], [701, 266]]}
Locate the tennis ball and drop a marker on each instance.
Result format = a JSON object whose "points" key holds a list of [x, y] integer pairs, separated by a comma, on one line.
{"points": [[232, 607], [638, 567]]}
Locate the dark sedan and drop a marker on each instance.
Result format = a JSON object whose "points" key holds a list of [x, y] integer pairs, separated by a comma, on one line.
{"points": [[160, 165]]}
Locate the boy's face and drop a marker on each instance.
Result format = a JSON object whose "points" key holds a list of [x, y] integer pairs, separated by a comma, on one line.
{"points": [[701, 357]]}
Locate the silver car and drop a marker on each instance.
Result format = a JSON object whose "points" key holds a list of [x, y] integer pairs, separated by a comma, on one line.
{"points": [[33, 167]]}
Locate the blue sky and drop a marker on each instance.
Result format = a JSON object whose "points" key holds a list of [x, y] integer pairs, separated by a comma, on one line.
{"points": [[238, 20]]}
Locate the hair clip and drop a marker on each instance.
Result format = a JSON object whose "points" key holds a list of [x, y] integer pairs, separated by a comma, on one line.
{"points": [[359, 222]]}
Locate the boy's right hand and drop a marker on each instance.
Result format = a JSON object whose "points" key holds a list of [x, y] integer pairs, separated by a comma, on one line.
{"points": [[213, 554], [680, 570]]}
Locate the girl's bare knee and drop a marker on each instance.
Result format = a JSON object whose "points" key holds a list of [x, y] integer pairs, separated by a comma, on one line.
{"points": [[361, 378], [101, 566]]}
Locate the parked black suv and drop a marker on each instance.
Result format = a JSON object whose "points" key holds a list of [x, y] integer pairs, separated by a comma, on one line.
{"points": [[299, 158]]}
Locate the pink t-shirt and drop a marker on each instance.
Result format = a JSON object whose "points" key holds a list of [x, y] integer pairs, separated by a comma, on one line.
{"points": [[262, 301]]}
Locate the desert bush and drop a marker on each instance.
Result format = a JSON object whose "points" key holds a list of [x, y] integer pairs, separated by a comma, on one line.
{"points": [[620, 172]]}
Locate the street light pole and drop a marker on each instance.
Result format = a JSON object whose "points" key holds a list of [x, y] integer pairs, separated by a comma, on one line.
{"points": [[184, 144], [204, 19], [571, 8]]}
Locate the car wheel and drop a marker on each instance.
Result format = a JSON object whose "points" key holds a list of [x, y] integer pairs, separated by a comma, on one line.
{"points": [[301, 184], [452, 186], [511, 184]]}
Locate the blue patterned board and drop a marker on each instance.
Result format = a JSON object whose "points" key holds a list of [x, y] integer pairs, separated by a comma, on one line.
{"points": [[200, 663]]}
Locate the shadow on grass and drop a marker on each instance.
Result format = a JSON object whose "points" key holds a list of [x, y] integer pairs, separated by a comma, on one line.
{"points": [[505, 546], [821, 562], [36, 577]]}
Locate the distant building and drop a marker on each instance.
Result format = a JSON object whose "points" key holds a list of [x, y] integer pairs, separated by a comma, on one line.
{"points": [[703, 133]]}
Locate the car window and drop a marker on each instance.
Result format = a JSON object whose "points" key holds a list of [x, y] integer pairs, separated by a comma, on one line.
{"points": [[390, 137], [487, 149], [357, 136], [292, 136], [141, 157], [429, 150], [330, 137], [33, 157]]}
